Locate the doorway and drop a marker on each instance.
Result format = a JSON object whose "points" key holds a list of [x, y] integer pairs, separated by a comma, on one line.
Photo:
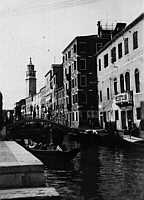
{"points": [[123, 119], [129, 117]]}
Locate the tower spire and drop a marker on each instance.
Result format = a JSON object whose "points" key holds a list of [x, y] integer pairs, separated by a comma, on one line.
{"points": [[30, 61], [30, 79]]}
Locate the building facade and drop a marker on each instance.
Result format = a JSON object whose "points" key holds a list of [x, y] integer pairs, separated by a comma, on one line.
{"points": [[56, 85], [20, 109], [120, 77], [59, 97], [48, 95], [80, 78]]}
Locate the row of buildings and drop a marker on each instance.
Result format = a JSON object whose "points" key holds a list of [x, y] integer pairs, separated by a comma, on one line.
{"points": [[99, 81]]}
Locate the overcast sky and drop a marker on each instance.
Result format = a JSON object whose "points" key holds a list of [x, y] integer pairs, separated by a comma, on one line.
{"points": [[43, 28]]}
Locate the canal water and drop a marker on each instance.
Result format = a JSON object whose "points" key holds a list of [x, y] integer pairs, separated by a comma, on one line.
{"points": [[102, 173]]}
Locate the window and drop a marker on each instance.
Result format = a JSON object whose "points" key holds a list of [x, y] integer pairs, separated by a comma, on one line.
{"points": [[72, 116], [74, 48], [115, 86], [75, 65], [82, 64], [82, 98], [90, 114], [76, 116], [69, 54], [75, 82], [122, 83], [108, 96], [135, 40], [84, 115], [106, 60], [100, 96], [137, 82], [83, 80], [99, 64], [65, 71], [119, 50], [75, 98], [127, 81], [126, 47], [116, 115], [104, 116], [113, 55], [66, 57], [138, 112]]}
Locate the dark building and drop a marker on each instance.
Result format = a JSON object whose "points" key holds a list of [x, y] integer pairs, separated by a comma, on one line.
{"points": [[56, 84], [48, 94], [80, 79], [20, 109], [1, 110]]}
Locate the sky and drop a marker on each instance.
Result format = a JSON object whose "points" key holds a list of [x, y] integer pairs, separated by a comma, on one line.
{"points": [[41, 29]]}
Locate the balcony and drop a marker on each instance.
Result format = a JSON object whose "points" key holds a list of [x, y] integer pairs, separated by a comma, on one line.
{"points": [[124, 99]]}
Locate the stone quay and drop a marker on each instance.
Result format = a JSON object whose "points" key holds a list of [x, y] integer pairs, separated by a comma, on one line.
{"points": [[22, 174]]}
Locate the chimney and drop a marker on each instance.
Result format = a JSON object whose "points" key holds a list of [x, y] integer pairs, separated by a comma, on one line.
{"points": [[99, 28]]}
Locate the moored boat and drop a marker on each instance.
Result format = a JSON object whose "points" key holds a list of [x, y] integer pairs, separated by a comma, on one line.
{"points": [[131, 140], [55, 159], [100, 137]]}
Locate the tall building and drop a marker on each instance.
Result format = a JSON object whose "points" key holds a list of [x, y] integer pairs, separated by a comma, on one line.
{"points": [[120, 66], [48, 96], [30, 80], [57, 86], [80, 78], [1, 110], [54, 93]]}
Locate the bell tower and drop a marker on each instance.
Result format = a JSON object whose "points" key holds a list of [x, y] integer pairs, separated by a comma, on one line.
{"points": [[30, 80]]}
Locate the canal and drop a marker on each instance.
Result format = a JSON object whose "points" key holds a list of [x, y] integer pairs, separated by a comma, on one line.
{"points": [[102, 173]]}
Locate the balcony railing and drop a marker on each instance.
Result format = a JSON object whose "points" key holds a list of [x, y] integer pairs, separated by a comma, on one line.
{"points": [[124, 99]]}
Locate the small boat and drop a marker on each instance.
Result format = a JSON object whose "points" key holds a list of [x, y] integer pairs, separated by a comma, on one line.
{"points": [[100, 137], [131, 140], [55, 159]]}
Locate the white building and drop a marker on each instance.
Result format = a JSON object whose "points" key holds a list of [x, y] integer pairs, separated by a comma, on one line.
{"points": [[120, 68]]}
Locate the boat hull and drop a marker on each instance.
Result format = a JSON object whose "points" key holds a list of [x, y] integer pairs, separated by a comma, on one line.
{"points": [[131, 141], [55, 159]]}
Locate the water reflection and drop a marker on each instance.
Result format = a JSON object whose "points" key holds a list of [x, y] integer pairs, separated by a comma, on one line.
{"points": [[104, 174]]}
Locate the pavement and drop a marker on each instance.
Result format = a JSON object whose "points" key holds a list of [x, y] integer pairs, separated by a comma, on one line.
{"points": [[22, 175], [19, 166], [12, 154], [30, 193]]}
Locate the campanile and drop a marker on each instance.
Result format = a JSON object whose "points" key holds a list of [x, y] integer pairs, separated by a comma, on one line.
{"points": [[30, 80]]}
